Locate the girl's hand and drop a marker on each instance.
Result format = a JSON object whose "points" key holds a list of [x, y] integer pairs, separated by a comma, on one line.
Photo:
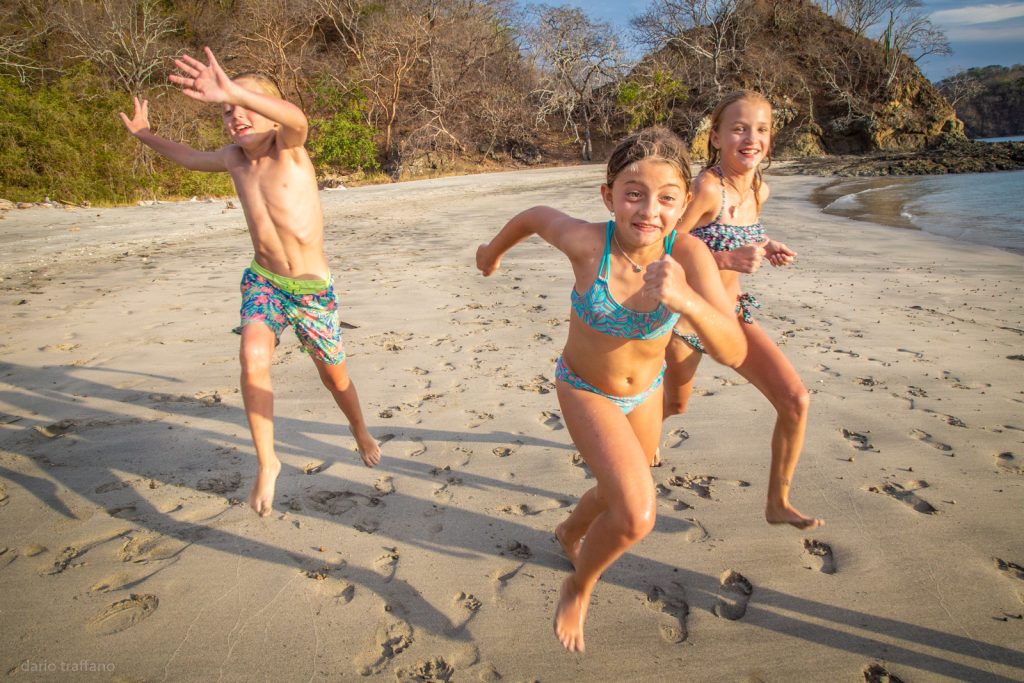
{"points": [[778, 254], [140, 117], [665, 280], [743, 260], [203, 82], [485, 262]]}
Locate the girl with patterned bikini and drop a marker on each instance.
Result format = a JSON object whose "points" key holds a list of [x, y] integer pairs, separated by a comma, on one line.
{"points": [[724, 214], [635, 278]]}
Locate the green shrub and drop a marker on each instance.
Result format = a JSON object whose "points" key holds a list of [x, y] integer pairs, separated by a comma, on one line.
{"points": [[339, 137]]}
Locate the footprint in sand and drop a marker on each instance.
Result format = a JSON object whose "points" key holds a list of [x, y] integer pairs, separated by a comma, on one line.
{"points": [[433, 669], [387, 564], [385, 485], [1008, 462], [477, 418], [500, 580], [675, 609], [951, 420], [1011, 568], [700, 484], [389, 641], [733, 595], [467, 601], [112, 486], [826, 370], [148, 547], [340, 502], [697, 533], [676, 438], [876, 673], [907, 495], [858, 440], [916, 354], [821, 553], [503, 451], [417, 448], [123, 614], [313, 468], [64, 560], [220, 485], [925, 437], [552, 421]]}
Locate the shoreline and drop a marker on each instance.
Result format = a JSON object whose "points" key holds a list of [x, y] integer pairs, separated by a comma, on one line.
{"points": [[125, 458]]}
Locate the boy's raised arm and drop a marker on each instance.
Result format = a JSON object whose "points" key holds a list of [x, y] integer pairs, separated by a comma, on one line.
{"points": [[209, 83], [194, 159]]}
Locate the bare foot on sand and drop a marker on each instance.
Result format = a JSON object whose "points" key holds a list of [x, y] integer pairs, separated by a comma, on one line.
{"points": [[369, 449], [261, 498], [787, 514], [570, 615], [572, 551]]}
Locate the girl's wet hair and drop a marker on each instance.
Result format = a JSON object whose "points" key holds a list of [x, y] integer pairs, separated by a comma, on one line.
{"points": [[656, 142], [715, 155], [268, 84]]}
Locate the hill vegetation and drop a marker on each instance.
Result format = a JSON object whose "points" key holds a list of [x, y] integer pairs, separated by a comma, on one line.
{"points": [[989, 100], [402, 89]]}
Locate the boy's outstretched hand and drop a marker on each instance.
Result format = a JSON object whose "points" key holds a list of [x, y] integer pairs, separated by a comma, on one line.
{"points": [[140, 117], [203, 82]]}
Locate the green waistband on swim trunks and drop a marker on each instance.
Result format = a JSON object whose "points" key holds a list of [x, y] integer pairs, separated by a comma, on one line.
{"points": [[291, 285]]}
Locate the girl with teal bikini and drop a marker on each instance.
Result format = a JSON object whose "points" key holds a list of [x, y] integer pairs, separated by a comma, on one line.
{"points": [[635, 279], [724, 214]]}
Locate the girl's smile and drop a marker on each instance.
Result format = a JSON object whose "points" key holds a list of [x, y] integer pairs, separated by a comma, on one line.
{"points": [[744, 134], [647, 200]]}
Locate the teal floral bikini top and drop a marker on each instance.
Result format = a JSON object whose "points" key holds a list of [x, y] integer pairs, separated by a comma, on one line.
{"points": [[600, 311], [724, 237]]}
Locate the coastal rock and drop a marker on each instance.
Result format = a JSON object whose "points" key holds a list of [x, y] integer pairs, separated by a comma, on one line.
{"points": [[951, 156]]}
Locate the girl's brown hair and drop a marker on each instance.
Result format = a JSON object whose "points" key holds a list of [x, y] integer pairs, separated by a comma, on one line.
{"points": [[714, 154], [656, 142]]}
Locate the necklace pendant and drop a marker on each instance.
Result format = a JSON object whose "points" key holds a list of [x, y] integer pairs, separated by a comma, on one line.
{"points": [[636, 268]]}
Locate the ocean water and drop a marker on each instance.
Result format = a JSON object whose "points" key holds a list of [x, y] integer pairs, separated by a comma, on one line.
{"points": [[1012, 138], [984, 208]]}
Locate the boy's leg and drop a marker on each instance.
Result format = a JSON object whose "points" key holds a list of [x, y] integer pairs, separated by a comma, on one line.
{"points": [[774, 376], [335, 378], [257, 349]]}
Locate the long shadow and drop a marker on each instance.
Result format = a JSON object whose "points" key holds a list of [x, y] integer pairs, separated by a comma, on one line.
{"points": [[767, 610]]}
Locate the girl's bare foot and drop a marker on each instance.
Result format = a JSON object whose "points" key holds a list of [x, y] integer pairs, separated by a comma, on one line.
{"points": [[787, 514], [571, 550], [570, 615], [369, 449], [261, 498]]}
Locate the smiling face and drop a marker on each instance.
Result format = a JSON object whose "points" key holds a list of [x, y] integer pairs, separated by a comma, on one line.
{"points": [[743, 136], [647, 198], [245, 126]]}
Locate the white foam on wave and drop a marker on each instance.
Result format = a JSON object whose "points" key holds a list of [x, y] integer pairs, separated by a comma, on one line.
{"points": [[848, 201]]}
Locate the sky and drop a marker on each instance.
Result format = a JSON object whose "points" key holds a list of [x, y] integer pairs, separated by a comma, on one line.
{"points": [[980, 33]]}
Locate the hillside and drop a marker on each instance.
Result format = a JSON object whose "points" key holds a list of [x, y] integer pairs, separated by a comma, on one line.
{"points": [[834, 92], [989, 100]]}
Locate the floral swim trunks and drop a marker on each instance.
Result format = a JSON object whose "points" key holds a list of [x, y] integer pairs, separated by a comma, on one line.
{"points": [[308, 305]]}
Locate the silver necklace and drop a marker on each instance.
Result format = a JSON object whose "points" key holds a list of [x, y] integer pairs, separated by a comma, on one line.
{"points": [[637, 268]]}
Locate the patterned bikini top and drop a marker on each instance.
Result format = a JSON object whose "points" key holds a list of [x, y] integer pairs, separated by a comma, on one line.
{"points": [[724, 237], [599, 310]]}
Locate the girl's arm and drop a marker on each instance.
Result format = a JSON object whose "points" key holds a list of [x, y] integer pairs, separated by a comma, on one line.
{"points": [[209, 83], [705, 205], [194, 159], [688, 283], [553, 226]]}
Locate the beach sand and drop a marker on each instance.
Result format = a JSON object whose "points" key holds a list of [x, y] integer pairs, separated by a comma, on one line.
{"points": [[128, 552]]}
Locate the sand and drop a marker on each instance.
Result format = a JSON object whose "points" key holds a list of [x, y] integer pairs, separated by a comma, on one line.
{"points": [[127, 551]]}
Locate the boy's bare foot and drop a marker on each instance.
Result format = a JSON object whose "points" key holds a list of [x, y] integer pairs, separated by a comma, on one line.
{"points": [[571, 551], [570, 615], [261, 498], [369, 449], [787, 514]]}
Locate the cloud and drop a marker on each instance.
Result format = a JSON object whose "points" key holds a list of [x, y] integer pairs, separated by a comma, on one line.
{"points": [[977, 14]]}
